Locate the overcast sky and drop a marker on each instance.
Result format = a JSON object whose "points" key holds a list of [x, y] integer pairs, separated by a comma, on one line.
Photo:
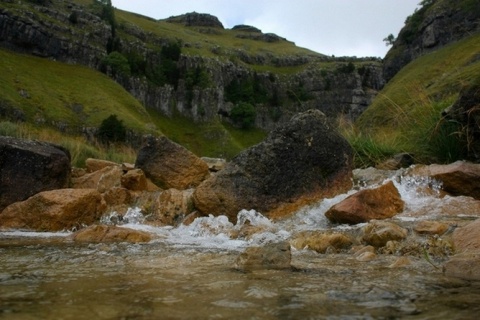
{"points": [[331, 27]]}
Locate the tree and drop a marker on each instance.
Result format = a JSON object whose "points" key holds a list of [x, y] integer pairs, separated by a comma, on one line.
{"points": [[112, 130], [243, 114], [389, 40]]}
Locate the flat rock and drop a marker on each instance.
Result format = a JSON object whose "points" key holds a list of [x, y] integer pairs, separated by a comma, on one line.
{"points": [[103, 233]]}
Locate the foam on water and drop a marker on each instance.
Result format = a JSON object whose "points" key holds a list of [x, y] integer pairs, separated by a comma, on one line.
{"points": [[422, 197]]}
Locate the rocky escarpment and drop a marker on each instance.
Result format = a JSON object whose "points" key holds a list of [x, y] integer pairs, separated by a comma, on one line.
{"points": [[436, 24], [72, 35], [201, 88]]}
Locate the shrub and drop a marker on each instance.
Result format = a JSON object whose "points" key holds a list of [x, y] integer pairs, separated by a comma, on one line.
{"points": [[243, 114], [112, 130], [117, 63]]}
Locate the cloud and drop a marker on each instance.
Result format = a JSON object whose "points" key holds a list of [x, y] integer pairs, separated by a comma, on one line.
{"points": [[340, 27]]}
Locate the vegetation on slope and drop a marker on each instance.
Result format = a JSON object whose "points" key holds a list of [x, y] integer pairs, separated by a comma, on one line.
{"points": [[407, 114]]}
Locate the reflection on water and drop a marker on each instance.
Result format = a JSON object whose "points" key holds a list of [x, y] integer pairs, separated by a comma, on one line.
{"points": [[52, 280], [188, 273]]}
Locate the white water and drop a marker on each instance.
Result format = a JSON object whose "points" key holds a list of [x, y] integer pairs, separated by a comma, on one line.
{"points": [[422, 197], [187, 271]]}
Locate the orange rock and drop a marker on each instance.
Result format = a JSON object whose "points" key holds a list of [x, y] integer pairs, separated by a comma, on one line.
{"points": [[134, 180], [170, 165], [467, 238], [54, 210], [102, 233], [369, 204], [458, 178]]}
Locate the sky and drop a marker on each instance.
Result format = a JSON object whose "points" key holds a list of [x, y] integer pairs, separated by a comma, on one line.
{"points": [[331, 27]]}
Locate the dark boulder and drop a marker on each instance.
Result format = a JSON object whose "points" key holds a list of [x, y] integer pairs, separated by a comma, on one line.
{"points": [[29, 167], [300, 162]]}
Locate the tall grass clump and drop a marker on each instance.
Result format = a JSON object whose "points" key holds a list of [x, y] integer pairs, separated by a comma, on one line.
{"points": [[369, 149], [80, 149], [433, 137]]}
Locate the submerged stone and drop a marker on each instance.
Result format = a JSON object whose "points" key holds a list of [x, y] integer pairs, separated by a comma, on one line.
{"points": [[103, 233], [270, 256], [378, 233]]}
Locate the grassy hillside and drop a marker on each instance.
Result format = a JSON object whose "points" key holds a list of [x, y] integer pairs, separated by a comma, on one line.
{"points": [[406, 115], [53, 95], [50, 92]]}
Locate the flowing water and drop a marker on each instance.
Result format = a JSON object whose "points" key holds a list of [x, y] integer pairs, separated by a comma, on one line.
{"points": [[188, 272]]}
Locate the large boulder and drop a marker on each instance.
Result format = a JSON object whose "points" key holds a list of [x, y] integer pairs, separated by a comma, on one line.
{"points": [[170, 165], [298, 163], [54, 210], [368, 204], [459, 178], [29, 167]]}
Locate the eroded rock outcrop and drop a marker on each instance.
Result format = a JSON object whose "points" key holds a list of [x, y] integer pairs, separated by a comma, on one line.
{"points": [[29, 167], [300, 162], [170, 165], [368, 204]]}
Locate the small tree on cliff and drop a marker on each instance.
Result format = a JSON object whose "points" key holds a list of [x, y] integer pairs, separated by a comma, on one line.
{"points": [[112, 130], [243, 114]]}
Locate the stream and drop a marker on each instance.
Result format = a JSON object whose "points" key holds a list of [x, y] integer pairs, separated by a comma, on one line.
{"points": [[188, 272]]}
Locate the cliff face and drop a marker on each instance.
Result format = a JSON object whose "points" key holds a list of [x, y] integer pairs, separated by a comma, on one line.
{"points": [[436, 24], [205, 87]]}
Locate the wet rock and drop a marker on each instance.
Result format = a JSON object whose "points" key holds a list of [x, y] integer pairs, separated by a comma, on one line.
{"points": [[458, 178], [102, 180], [464, 265], [170, 165], [300, 162], [358, 250], [171, 207], [378, 233], [401, 160], [467, 238], [321, 242], [430, 227], [401, 262], [270, 256], [29, 167], [93, 165], [371, 176], [134, 180], [103, 233], [215, 164], [368, 204], [118, 199], [366, 256], [54, 210]]}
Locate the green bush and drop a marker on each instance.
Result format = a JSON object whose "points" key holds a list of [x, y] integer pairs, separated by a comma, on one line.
{"points": [[117, 63], [112, 130], [243, 115]]}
